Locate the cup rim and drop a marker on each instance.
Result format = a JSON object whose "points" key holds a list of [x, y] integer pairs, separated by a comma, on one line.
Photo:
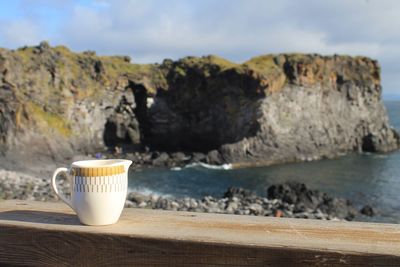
{"points": [[94, 163]]}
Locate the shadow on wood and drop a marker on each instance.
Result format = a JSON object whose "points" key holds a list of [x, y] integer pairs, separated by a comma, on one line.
{"points": [[44, 217]]}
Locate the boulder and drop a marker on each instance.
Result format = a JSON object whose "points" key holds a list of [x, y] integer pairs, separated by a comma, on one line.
{"points": [[161, 160], [214, 158], [237, 193], [304, 199], [367, 210]]}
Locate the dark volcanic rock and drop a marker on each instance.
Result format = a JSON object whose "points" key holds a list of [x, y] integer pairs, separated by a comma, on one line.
{"points": [[198, 157], [270, 109], [180, 157], [161, 159], [214, 158], [244, 202], [238, 192], [367, 210], [340, 208], [296, 193], [303, 198]]}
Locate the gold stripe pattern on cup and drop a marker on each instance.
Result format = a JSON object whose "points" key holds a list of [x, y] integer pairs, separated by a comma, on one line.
{"points": [[97, 171], [99, 180], [100, 184]]}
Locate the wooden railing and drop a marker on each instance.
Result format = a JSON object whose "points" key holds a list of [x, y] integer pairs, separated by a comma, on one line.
{"points": [[49, 234]]}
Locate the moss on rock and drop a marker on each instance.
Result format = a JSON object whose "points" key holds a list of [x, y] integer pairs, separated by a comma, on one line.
{"points": [[63, 91], [48, 121]]}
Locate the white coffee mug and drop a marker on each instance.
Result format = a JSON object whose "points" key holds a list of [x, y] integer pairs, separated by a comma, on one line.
{"points": [[99, 189]]}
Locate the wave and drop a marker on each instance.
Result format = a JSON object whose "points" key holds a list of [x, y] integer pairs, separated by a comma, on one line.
{"points": [[375, 155], [205, 165], [380, 156], [148, 192]]}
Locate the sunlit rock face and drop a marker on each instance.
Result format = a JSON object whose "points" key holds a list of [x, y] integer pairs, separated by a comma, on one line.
{"points": [[270, 109]]}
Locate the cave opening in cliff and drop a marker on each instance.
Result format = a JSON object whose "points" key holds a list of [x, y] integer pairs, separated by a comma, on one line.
{"points": [[140, 111], [127, 125], [368, 144], [121, 128], [112, 136], [198, 112]]}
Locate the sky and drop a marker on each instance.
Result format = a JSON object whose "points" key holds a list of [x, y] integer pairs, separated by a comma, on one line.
{"points": [[152, 30]]}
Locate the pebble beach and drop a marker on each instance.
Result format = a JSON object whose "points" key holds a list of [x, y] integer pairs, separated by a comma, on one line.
{"points": [[293, 200]]}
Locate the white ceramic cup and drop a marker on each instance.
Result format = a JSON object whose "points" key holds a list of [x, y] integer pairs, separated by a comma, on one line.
{"points": [[99, 189]]}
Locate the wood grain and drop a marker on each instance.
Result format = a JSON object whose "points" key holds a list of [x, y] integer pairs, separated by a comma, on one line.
{"points": [[49, 234]]}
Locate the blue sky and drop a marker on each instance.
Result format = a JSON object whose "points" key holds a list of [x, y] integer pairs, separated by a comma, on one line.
{"points": [[151, 30]]}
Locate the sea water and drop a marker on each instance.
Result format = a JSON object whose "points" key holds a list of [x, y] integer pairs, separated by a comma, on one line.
{"points": [[372, 179]]}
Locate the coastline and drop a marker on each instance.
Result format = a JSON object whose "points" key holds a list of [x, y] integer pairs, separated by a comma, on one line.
{"points": [[293, 200], [271, 109]]}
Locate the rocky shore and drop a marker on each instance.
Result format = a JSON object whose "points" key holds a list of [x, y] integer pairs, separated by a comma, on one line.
{"points": [[292, 200], [283, 200], [18, 185], [56, 104], [162, 159]]}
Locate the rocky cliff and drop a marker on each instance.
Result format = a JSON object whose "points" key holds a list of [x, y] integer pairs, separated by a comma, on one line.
{"points": [[270, 109]]}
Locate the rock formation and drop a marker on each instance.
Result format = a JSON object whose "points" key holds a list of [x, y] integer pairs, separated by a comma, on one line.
{"points": [[270, 109]]}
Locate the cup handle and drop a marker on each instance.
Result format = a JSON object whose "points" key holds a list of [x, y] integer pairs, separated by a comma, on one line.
{"points": [[54, 186]]}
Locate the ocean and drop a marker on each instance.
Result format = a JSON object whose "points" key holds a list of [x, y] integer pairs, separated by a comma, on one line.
{"points": [[372, 179]]}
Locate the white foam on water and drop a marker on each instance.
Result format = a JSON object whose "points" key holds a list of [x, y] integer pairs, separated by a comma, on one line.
{"points": [[375, 155], [380, 156], [148, 192], [367, 153], [209, 166]]}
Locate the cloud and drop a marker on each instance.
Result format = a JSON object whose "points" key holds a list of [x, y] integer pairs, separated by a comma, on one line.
{"points": [[19, 33], [350, 21], [237, 28]]}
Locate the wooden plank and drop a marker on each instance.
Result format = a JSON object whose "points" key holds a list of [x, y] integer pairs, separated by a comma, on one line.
{"points": [[49, 234]]}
